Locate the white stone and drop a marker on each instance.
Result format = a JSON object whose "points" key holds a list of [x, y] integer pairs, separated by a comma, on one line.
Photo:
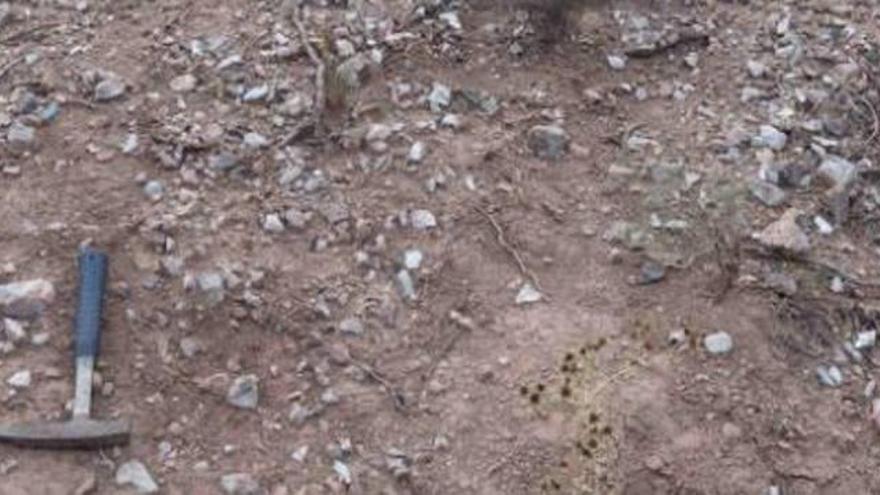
{"points": [[718, 343], [135, 474], [20, 379]]}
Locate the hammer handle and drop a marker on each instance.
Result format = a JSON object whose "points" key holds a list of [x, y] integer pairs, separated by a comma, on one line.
{"points": [[92, 283]]}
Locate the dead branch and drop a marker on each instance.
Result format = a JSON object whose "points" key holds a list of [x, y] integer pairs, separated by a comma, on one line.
{"points": [[512, 251]]}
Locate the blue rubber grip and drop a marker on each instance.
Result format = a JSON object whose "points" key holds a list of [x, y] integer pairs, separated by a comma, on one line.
{"points": [[92, 283]]}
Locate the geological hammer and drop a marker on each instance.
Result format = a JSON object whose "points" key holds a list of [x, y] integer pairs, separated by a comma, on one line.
{"points": [[80, 432]]}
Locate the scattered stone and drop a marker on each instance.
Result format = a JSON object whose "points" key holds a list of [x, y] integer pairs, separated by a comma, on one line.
{"points": [[26, 300], [837, 285], [297, 219], [651, 272], [440, 97], [830, 376], [528, 295], [184, 83], [222, 162], [190, 347], [617, 62], [718, 343], [451, 19], [406, 285], [767, 193], [20, 379], [770, 137], [20, 136], [272, 223], [40, 338], [109, 89], [210, 281], [422, 220], [342, 472], [823, 226], [154, 190], [412, 259], [416, 153], [451, 121], [865, 339], [240, 484], [837, 172], [548, 141], [756, 69], [14, 330], [135, 474], [244, 392], [692, 59], [785, 234], [299, 455], [781, 283], [256, 94], [351, 326], [255, 140]]}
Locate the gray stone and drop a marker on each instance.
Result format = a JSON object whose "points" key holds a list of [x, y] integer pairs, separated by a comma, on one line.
{"points": [[417, 153], [210, 281], [297, 219], [865, 339], [190, 347], [244, 392], [184, 83], [770, 137], [26, 298], [412, 259], [20, 379], [240, 484], [256, 94], [651, 272], [837, 172], [40, 338], [255, 140], [154, 190], [109, 89], [756, 69], [351, 326], [548, 141], [617, 62], [135, 474], [785, 234], [440, 97], [222, 162], [173, 265], [14, 330], [20, 136], [782, 283], [405, 285], [422, 220], [830, 376], [272, 223], [767, 193], [823, 226], [451, 19], [528, 294], [718, 343], [49, 112]]}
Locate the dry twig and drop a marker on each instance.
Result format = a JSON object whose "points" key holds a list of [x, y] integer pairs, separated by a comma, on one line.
{"points": [[512, 251], [396, 395]]}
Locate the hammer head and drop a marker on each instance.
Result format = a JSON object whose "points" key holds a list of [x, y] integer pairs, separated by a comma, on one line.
{"points": [[78, 433]]}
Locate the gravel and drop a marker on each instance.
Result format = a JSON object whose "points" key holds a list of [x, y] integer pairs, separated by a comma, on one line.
{"points": [[718, 343], [135, 474], [244, 392]]}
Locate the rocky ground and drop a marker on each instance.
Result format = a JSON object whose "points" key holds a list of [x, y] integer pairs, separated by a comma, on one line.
{"points": [[447, 247]]}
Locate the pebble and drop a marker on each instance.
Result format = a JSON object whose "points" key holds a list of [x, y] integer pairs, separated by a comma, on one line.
{"points": [[14, 330], [26, 299], [190, 346], [422, 220], [210, 281], [351, 326], [830, 376], [785, 234], [676, 337], [244, 392], [770, 137], [109, 89], [837, 285], [416, 153], [184, 83], [20, 136], [406, 285], [272, 223], [451, 19], [240, 484], [823, 226], [256, 94], [837, 172], [440, 97], [756, 69], [135, 474], [342, 472], [528, 294], [20, 379], [651, 272], [548, 141], [767, 193], [865, 340], [617, 62], [718, 343], [451, 121], [255, 140], [40, 338], [222, 162], [412, 259], [154, 190], [781, 283], [299, 455]]}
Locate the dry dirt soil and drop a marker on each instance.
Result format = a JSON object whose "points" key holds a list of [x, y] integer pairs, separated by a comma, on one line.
{"points": [[306, 214]]}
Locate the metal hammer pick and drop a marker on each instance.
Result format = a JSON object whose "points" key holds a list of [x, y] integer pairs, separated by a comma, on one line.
{"points": [[80, 432]]}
